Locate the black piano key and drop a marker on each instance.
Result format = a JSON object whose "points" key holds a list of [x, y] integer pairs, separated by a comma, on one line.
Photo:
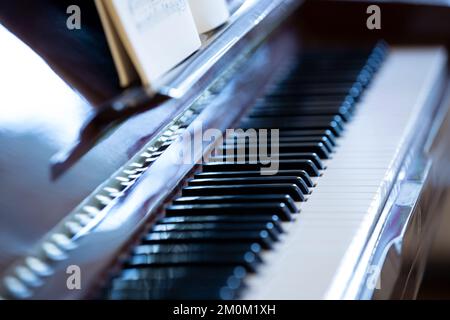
{"points": [[237, 141], [174, 273], [232, 219], [342, 83], [311, 102], [240, 143], [304, 155], [356, 90], [327, 67], [306, 101], [312, 71], [306, 165], [248, 260], [344, 112], [349, 77], [278, 209], [345, 53], [324, 140], [361, 78], [185, 227], [196, 248], [302, 108], [291, 121], [292, 133], [251, 180], [261, 237], [179, 290], [306, 133], [203, 237], [304, 123], [120, 289], [242, 174], [119, 285], [364, 77], [188, 227], [335, 57], [335, 103], [286, 199], [342, 80], [277, 102], [294, 90], [177, 282], [287, 106], [374, 61], [284, 189], [283, 156], [318, 148], [242, 152], [154, 294]]}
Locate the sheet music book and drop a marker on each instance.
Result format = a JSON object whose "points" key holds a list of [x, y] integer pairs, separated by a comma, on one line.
{"points": [[148, 38]]}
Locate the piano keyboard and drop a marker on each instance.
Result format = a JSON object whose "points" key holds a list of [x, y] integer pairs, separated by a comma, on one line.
{"points": [[234, 233]]}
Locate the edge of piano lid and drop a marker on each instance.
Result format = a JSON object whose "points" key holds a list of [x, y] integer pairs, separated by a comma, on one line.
{"points": [[96, 235]]}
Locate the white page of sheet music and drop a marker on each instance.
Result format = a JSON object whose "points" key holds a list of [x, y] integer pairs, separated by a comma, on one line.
{"points": [[157, 34], [209, 14]]}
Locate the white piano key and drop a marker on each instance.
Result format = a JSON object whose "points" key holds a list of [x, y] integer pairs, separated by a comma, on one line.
{"points": [[309, 262]]}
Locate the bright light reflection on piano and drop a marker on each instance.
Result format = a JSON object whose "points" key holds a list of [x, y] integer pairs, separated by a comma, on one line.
{"points": [[58, 120]]}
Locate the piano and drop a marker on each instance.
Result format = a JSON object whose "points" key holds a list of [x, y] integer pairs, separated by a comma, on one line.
{"points": [[316, 188]]}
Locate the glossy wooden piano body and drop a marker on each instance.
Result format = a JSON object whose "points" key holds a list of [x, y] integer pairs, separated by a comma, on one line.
{"points": [[42, 115]]}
